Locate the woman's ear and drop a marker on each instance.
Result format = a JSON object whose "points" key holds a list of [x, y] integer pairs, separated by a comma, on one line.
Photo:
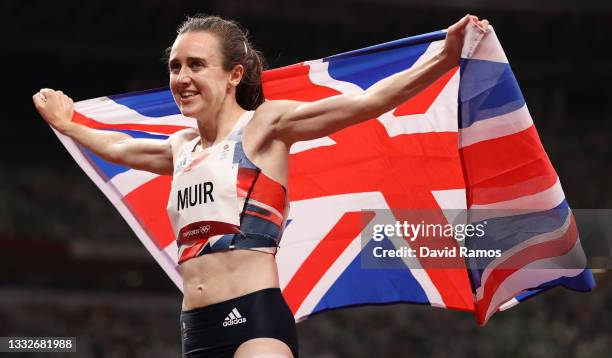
{"points": [[236, 75]]}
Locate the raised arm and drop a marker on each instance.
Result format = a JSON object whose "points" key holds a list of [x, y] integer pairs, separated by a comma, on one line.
{"points": [[297, 121], [152, 155]]}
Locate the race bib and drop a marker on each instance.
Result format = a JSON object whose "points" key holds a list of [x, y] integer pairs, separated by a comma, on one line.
{"points": [[203, 199]]}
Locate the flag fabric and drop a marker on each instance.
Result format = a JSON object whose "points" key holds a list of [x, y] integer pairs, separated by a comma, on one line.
{"points": [[511, 183], [465, 142]]}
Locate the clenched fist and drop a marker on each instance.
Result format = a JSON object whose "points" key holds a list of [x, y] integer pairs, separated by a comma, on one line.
{"points": [[455, 34], [55, 107]]}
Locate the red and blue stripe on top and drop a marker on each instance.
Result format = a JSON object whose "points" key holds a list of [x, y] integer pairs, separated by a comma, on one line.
{"points": [[220, 200]]}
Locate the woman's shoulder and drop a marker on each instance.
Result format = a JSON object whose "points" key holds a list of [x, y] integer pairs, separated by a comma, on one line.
{"points": [[186, 134], [270, 112], [275, 107], [182, 137]]}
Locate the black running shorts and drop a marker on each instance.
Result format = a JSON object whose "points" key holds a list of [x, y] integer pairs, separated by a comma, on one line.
{"points": [[219, 329]]}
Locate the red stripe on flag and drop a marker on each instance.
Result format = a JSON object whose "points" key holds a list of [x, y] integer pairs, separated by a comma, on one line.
{"points": [[148, 205], [507, 168], [366, 159], [323, 256], [422, 101], [449, 276], [293, 83], [155, 128], [548, 249]]}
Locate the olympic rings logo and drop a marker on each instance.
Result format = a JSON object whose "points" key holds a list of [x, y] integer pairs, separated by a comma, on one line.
{"points": [[204, 229]]}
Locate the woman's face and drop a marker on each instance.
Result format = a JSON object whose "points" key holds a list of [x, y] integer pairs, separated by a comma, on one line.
{"points": [[197, 78]]}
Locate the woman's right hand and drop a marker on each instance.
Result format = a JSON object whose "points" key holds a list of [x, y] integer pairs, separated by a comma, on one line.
{"points": [[55, 107], [153, 155]]}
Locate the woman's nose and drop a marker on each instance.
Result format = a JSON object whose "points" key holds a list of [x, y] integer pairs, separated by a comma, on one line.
{"points": [[184, 77]]}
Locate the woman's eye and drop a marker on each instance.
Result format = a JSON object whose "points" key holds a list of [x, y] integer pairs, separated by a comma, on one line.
{"points": [[197, 65], [173, 67]]}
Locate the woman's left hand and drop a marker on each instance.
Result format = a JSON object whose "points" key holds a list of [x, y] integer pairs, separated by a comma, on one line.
{"points": [[454, 37]]}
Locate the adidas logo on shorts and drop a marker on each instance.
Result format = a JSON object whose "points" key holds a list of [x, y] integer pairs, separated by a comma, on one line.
{"points": [[234, 318]]}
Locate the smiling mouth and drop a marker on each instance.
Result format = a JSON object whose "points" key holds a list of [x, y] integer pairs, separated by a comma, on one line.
{"points": [[187, 94]]}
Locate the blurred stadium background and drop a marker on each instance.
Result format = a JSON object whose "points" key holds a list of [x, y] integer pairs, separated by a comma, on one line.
{"points": [[70, 266]]}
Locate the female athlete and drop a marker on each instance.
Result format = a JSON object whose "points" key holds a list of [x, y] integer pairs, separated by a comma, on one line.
{"points": [[228, 201]]}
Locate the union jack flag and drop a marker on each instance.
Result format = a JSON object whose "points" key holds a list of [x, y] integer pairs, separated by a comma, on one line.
{"points": [[465, 142]]}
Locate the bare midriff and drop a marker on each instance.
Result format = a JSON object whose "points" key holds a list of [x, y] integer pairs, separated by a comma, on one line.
{"points": [[220, 276]]}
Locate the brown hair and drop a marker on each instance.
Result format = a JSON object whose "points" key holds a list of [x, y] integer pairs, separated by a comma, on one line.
{"points": [[236, 50]]}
